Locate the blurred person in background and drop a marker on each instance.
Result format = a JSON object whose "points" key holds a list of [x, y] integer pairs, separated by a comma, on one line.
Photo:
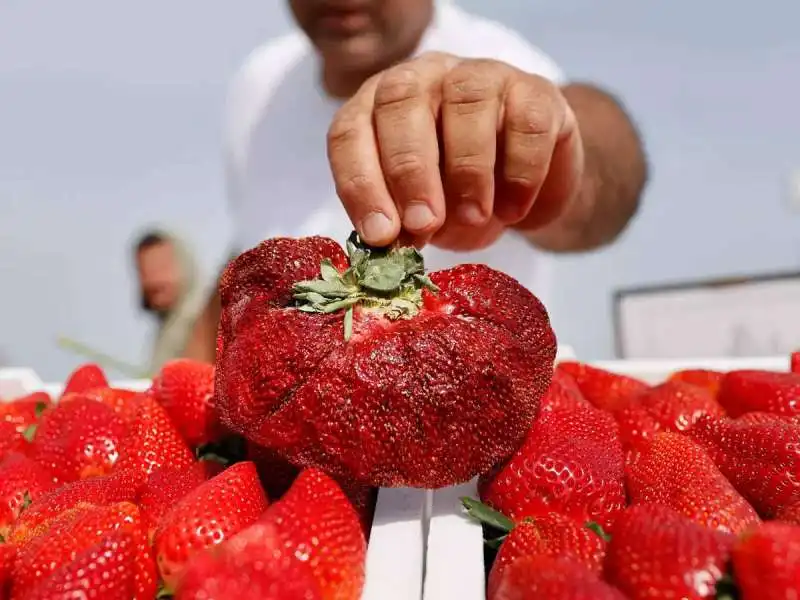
{"points": [[485, 154], [170, 291]]}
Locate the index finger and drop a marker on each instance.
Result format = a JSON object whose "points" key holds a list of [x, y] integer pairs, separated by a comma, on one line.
{"points": [[356, 168]]}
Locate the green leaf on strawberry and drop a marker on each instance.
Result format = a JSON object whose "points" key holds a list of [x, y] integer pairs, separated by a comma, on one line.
{"points": [[386, 280], [486, 515]]}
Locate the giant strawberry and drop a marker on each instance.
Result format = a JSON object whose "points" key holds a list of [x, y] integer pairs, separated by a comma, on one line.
{"points": [[362, 365], [675, 471], [571, 462], [761, 459]]}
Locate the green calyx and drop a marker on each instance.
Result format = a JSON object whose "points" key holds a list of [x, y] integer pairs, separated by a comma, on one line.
{"points": [[385, 280]]}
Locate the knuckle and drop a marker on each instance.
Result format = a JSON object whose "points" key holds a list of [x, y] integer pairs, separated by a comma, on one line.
{"points": [[469, 165], [532, 109], [398, 86], [404, 164], [343, 131], [473, 82], [354, 188]]}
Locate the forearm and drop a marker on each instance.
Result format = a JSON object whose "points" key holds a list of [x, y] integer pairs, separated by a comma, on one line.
{"points": [[615, 173]]}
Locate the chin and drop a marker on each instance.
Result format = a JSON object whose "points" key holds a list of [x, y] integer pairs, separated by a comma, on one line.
{"points": [[359, 53]]}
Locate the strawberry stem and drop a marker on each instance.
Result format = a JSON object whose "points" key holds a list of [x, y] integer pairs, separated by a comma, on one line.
{"points": [[727, 589], [486, 515], [385, 280], [598, 529], [30, 432]]}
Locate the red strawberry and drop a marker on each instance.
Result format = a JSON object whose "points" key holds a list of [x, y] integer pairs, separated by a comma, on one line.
{"points": [[75, 532], [317, 524], [670, 406], [553, 535], [563, 392], [760, 460], [705, 378], [8, 552], [766, 562], [764, 391], [153, 442], [239, 569], [604, 389], [414, 382], [789, 513], [571, 463], [656, 553], [553, 577], [676, 472], [165, 487], [104, 570], [122, 402], [22, 481], [24, 412], [111, 489], [208, 515], [85, 378], [795, 362], [79, 438], [186, 389], [12, 441], [761, 418]]}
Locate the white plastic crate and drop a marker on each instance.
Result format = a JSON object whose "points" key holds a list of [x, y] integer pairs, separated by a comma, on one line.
{"points": [[422, 546]]}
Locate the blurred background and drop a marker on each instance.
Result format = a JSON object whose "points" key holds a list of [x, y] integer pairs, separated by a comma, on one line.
{"points": [[111, 117]]}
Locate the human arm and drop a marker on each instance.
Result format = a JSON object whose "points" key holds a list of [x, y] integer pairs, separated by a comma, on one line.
{"points": [[453, 152], [202, 341], [614, 175]]}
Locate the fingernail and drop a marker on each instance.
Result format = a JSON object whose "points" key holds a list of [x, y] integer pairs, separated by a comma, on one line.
{"points": [[417, 217], [471, 214], [376, 228]]}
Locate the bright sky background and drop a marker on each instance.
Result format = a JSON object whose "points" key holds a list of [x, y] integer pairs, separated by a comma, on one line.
{"points": [[110, 121]]}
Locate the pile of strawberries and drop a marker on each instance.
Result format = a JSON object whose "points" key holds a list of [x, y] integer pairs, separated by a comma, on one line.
{"points": [[118, 495], [689, 489]]}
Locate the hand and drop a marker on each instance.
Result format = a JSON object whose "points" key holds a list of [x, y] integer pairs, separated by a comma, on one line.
{"points": [[452, 152]]}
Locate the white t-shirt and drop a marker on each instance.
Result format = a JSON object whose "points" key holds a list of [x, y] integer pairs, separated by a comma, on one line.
{"points": [[275, 142]]}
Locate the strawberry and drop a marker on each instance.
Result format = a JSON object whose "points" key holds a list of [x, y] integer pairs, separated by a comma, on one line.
{"points": [[22, 481], [24, 412], [604, 389], [655, 552], [557, 578], [789, 513], [363, 366], [185, 388], [76, 531], [670, 406], [563, 392], [761, 418], [766, 562], [105, 570], [553, 535], [12, 441], [252, 565], [78, 438], [207, 515], [760, 460], [8, 553], [794, 362], [707, 379], [85, 378], [276, 473], [153, 442], [571, 463], [165, 487], [677, 472], [318, 525], [111, 489], [122, 402], [749, 391]]}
